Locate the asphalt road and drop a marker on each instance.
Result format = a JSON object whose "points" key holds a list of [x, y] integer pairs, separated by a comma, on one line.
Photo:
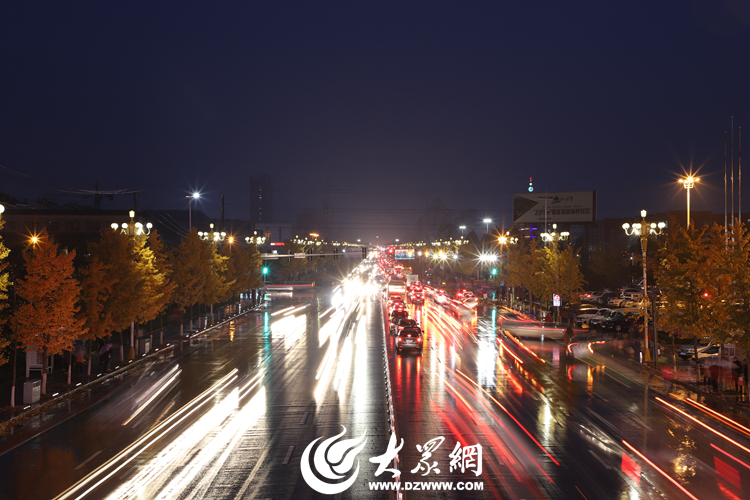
{"points": [[291, 402], [227, 418], [554, 426]]}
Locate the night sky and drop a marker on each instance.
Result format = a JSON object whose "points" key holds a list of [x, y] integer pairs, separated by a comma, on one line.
{"points": [[389, 105]]}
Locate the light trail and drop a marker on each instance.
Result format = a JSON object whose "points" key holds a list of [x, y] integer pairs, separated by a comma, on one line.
{"points": [[708, 427], [670, 478]]}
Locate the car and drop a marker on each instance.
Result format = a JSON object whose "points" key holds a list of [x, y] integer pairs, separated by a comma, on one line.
{"points": [[603, 315], [409, 338], [709, 354], [417, 298], [406, 323], [632, 293], [441, 296], [688, 351], [395, 317], [585, 316], [620, 322]]}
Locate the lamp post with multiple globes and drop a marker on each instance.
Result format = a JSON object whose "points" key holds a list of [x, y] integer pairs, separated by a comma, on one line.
{"points": [[132, 229], [643, 229]]}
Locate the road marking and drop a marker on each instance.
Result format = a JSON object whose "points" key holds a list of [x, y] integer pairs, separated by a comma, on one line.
{"points": [[288, 455], [88, 459], [304, 418], [252, 474], [599, 459]]}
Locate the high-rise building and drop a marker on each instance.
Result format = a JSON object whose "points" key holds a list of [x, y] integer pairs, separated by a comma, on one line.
{"points": [[261, 199]]}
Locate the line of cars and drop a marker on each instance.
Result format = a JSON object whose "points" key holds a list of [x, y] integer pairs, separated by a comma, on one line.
{"points": [[407, 331]]}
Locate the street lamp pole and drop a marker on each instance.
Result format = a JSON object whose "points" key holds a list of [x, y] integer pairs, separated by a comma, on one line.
{"points": [[689, 183], [487, 225], [190, 198], [643, 229]]}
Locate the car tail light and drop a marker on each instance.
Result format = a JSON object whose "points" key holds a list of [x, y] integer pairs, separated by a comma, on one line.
{"points": [[400, 339], [419, 339]]}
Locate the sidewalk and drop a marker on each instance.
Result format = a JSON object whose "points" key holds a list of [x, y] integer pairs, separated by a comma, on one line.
{"points": [[58, 389], [678, 377]]}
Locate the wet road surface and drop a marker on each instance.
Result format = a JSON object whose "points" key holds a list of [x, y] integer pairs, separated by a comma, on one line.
{"points": [[233, 416]]}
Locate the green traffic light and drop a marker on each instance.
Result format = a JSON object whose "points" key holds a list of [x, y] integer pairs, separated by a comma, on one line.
{"points": [[494, 272], [265, 270]]}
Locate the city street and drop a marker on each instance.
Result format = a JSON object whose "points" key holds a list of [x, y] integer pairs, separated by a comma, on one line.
{"points": [[232, 415]]}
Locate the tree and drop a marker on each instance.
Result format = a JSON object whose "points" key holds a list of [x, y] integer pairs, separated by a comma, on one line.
{"points": [[737, 265], [218, 284], [559, 273], [4, 285], [46, 317], [115, 251], [682, 276], [190, 271], [607, 261], [96, 290], [162, 262], [242, 267], [294, 267]]}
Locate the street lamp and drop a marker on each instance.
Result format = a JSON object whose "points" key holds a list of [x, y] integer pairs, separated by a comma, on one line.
{"points": [[212, 235], [133, 228], [487, 223], [689, 183], [190, 198], [555, 236], [643, 229], [462, 228]]}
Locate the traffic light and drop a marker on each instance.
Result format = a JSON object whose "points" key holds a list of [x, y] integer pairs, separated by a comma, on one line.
{"points": [[494, 271], [265, 270], [309, 255], [364, 253], [335, 254], [289, 259]]}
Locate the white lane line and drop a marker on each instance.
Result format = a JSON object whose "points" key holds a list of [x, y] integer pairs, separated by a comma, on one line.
{"points": [[88, 459], [252, 475], [304, 418], [599, 459], [288, 455]]}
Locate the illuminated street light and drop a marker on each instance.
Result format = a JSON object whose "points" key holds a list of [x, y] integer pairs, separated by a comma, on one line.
{"points": [[643, 229], [190, 198], [487, 223], [212, 235], [689, 183], [554, 236], [133, 228], [462, 228]]}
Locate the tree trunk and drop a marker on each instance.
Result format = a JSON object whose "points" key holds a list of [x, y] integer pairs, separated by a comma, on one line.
{"points": [[122, 351], [44, 370], [70, 365], [89, 368], [13, 385]]}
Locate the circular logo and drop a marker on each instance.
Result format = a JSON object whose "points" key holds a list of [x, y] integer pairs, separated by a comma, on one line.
{"points": [[332, 462]]}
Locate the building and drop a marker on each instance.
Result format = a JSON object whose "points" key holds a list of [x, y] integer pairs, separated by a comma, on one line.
{"points": [[261, 199]]}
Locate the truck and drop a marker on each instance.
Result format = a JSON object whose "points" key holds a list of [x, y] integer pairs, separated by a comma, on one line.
{"points": [[397, 287]]}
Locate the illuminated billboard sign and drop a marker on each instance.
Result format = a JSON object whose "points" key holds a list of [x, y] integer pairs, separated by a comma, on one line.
{"points": [[404, 253], [574, 206]]}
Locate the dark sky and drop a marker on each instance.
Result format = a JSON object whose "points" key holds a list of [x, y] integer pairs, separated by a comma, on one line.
{"points": [[391, 104]]}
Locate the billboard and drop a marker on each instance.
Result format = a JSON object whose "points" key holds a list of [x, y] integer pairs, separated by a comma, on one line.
{"points": [[404, 253], [573, 206]]}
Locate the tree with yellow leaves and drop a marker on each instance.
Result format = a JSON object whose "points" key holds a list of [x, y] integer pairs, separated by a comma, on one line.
{"points": [[46, 319], [191, 272]]}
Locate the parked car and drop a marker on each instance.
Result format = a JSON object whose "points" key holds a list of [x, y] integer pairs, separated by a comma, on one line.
{"points": [[584, 317], [632, 293], [688, 351], [620, 322], [603, 315]]}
